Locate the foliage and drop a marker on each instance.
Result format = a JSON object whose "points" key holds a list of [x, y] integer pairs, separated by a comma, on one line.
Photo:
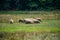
{"points": [[30, 4]]}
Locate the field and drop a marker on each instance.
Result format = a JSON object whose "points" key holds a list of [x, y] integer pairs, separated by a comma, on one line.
{"points": [[50, 25], [46, 25]]}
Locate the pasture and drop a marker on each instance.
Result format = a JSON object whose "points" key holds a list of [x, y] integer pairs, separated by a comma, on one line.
{"points": [[49, 27], [50, 21], [45, 25]]}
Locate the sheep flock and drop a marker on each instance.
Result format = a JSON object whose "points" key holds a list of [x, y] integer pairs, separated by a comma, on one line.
{"points": [[27, 20]]}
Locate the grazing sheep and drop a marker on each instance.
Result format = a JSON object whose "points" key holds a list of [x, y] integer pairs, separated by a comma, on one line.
{"points": [[28, 21], [36, 21], [39, 19], [31, 21], [11, 21], [21, 21]]}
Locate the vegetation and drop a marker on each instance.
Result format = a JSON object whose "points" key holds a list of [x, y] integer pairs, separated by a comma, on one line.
{"points": [[50, 21], [21, 35], [48, 29], [30, 5], [46, 25]]}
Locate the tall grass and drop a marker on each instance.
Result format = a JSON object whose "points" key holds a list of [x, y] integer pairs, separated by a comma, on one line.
{"points": [[4, 18], [20, 35], [48, 29], [46, 25]]}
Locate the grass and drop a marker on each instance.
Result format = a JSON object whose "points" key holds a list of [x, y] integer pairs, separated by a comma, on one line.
{"points": [[26, 12], [48, 29], [50, 21], [45, 25], [4, 18]]}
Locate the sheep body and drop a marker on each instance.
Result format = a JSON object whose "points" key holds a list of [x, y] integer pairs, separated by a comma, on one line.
{"points": [[31, 20], [39, 19], [28, 21], [36, 21]]}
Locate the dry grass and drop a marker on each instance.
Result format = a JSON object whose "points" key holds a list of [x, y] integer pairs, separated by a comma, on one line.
{"points": [[49, 29], [20, 35], [4, 18]]}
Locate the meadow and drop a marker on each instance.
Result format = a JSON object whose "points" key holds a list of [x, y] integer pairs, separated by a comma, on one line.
{"points": [[50, 20], [46, 25], [50, 25]]}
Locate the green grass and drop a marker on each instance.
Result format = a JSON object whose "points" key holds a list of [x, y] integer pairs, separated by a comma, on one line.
{"points": [[50, 21], [45, 25], [27, 12]]}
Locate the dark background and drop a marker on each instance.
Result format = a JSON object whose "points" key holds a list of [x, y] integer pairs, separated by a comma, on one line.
{"points": [[29, 5]]}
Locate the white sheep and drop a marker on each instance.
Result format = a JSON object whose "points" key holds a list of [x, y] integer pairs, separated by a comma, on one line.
{"points": [[39, 19], [36, 21], [11, 21], [28, 21], [31, 20]]}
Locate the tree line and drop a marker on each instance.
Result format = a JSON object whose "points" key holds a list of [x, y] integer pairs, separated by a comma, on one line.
{"points": [[29, 5]]}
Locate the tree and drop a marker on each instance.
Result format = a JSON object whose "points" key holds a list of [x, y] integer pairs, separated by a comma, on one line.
{"points": [[29, 4]]}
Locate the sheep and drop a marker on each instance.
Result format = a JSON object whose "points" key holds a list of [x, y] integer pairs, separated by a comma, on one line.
{"points": [[36, 21], [31, 20], [28, 21], [21, 20], [39, 19], [11, 21]]}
